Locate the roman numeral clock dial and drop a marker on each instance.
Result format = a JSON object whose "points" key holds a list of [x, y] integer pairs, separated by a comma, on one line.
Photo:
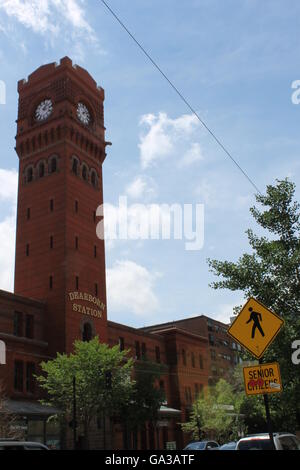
{"points": [[44, 110], [83, 114]]}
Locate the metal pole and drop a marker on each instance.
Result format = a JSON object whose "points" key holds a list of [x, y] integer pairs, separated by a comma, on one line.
{"points": [[74, 414], [268, 415]]}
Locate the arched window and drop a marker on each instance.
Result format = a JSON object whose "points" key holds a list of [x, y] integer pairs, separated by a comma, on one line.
{"points": [[87, 333], [84, 172], [94, 179], [29, 174], [41, 170], [53, 165], [75, 166]]}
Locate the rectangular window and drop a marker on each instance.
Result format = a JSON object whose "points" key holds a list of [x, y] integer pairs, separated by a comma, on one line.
{"points": [[30, 381], [157, 354], [76, 206], [213, 354], [18, 324], [121, 343], [18, 376], [188, 395], [184, 357], [76, 243], [51, 242], [27, 249], [94, 216], [144, 351], [51, 205], [196, 390], [29, 326], [28, 213], [51, 282], [193, 360], [95, 251], [200, 361], [137, 350]]}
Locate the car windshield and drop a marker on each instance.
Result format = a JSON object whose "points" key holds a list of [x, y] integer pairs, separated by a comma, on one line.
{"points": [[196, 446], [229, 446], [255, 444]]}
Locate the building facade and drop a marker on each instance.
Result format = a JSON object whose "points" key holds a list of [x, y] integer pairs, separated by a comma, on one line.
{"points": [[60, 286]]}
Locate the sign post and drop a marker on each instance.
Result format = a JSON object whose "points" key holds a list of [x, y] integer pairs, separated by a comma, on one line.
{"points": [[255, 328], [268, 416]]}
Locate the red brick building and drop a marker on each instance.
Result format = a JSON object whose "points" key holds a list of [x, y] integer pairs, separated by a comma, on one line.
{"points": [[60, 287]]}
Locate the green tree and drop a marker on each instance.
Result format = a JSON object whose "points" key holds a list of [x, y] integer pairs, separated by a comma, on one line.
{"points": [[271, 273], [216, 414], [88, 364], [145, 402], [251, 408]]}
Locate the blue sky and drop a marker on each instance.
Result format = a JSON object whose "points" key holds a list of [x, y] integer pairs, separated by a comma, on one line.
{"points": [[234, 61]]}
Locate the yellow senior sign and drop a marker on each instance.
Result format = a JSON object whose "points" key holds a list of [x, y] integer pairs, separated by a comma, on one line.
{"points": [[262, 379]]}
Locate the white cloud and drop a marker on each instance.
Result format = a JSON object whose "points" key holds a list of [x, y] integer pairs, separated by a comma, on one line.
{"points": [[8, 185], [141, 187], [130, 288], [208, 193], [8, 196], [63, 20], [7, 252], [225, 311], [215, 192], [165, 136], [41, 15], [194, 154]]}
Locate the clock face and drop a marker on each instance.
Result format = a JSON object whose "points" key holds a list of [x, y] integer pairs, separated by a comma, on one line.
{"points": [[83, 114], [44, 110]]}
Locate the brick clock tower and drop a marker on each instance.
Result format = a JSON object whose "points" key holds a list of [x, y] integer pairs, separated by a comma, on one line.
{"points": [[61, 147]]}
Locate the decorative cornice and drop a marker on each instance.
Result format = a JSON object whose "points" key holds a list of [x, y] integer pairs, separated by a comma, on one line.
{"points": [[32, 144]]}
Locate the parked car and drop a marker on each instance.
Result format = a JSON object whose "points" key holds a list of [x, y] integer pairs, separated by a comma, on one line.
{"points": [[21, 445], [282, 441], [202, 445], [228, 446]]}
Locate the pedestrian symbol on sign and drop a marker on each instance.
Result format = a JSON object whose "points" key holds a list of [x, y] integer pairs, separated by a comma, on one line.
{"points": [[256, 317], [255, 327]]}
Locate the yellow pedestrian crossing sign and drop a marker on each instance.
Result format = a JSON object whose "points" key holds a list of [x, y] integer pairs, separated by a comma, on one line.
{"points": [[255, 327]]}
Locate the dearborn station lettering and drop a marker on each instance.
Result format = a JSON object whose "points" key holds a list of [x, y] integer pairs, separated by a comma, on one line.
{"points": [[84, 309]]}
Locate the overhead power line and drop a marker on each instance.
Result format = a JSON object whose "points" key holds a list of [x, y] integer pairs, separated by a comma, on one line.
{"points": [[217, 140]]}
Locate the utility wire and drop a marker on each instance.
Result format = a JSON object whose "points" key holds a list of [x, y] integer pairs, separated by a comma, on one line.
{"points": [[182, 97]]}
